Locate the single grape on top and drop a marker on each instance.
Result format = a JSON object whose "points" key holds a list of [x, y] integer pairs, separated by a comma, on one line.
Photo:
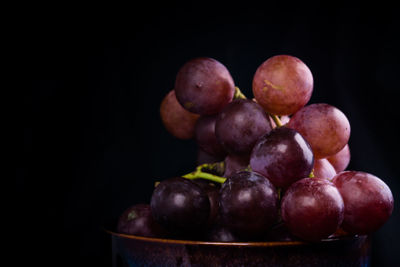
{"points": [[280, 179]]}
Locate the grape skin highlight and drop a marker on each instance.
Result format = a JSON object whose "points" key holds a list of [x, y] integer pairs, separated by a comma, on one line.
{"points": [[312, 209]]}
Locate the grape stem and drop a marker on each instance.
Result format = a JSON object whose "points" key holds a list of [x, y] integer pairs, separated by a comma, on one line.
{"points": [[238, 94], [276, 120], [199, 173]]}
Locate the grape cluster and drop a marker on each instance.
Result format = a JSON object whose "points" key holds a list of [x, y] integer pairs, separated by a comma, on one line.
{"points": [[270, 168]]}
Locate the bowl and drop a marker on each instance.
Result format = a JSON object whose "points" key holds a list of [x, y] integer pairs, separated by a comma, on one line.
{"points": [[130, 250]]}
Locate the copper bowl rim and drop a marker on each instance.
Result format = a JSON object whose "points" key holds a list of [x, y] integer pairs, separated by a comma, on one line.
{"points": [[232, 244]]}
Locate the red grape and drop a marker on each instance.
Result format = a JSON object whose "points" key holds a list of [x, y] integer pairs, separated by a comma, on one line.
{"points": [[204, 86], [282, 85], [178, 121], [138, 220], [206, 138], [240, 124], [368, 201], [341, 160], [323, 169], [248, 204], [283, 156], [312, 209], [325, 127]]}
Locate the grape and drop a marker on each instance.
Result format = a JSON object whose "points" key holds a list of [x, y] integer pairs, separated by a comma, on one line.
{"points": [[203, 157], [282, 85], [341, 160], [312, 209], [180, 205], [240, 124], [204, 86], [212, 191], [234, 163], [178, 121], [138, 220], [248, 204], [368, 201], [280, 233], [283, 156], [325, 127], [323, 169], [205, 136], [219, 233]]}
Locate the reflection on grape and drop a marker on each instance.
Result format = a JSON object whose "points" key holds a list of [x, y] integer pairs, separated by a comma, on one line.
{"points": [[325, 127], [368, 201], [312, 209], [282, 85], [283, 156], [248, 204], [204, 86], [180, 205]]}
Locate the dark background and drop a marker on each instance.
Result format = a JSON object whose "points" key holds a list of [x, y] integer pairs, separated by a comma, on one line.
{"points": [[93, 142]]}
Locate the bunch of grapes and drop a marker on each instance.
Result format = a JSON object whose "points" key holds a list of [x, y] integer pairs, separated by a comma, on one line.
{"points": [[270, 168]]}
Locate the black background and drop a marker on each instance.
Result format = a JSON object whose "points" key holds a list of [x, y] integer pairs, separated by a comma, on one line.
{"points": [[93, 142]]}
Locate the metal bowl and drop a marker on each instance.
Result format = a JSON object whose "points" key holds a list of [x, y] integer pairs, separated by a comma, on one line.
{"points": [[130, 250]]}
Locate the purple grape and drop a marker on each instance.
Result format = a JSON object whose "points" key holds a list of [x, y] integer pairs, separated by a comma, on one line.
{"points": [[206, 138], [204, 86], [180, 205], [138, 220], [234, 163], [240, 124], [248, 204], [212, 191], [368, 201], [312, 209], [283, 156], [203, 157]]}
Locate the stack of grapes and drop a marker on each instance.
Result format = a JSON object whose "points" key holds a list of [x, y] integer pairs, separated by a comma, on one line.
{"points": [[270, 168]]}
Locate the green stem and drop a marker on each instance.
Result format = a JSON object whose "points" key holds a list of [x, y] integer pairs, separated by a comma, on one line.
{"points": [[312, 174], [198, 173], [276, 120], [238, 94], [205, 175]]}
